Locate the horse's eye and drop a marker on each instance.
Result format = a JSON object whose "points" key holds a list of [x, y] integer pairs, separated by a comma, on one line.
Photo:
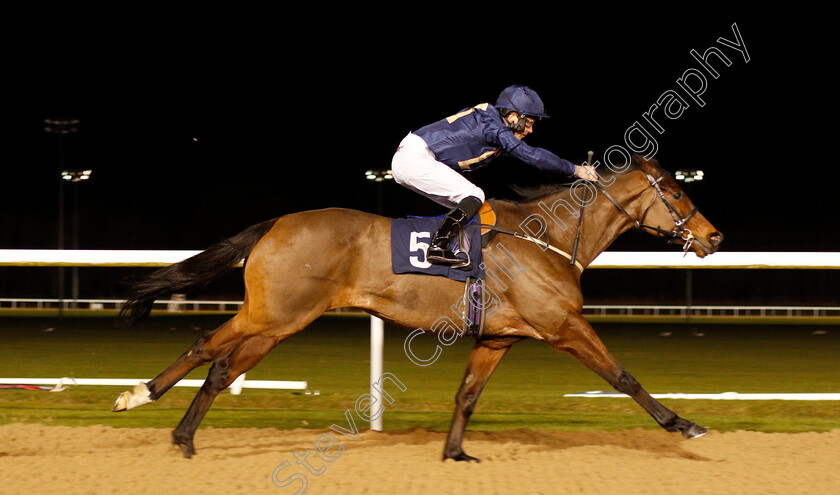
{"points": [[677, 195]]}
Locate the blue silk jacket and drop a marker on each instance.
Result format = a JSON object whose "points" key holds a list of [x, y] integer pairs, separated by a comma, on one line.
{"points": [[471, 139]]}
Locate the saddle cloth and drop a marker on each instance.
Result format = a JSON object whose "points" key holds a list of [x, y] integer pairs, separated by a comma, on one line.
{"points": [[410, 238]]}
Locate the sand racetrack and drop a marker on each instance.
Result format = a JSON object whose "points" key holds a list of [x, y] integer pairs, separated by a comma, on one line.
{"points": [[38, 459]]}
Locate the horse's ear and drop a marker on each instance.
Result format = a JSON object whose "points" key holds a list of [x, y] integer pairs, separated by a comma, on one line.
{"points": [[639, 161], [645, 164]]}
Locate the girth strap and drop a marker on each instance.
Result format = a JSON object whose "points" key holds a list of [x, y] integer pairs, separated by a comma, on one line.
{"points": [[536, 241]]}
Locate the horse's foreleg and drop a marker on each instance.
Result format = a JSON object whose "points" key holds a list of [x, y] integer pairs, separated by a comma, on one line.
{"points": [[242, 356], [579, 339], [204, 350], [484, 359]]}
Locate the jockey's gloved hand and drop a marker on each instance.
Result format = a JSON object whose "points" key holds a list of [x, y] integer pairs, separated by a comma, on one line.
{"points": [[586, 172]]}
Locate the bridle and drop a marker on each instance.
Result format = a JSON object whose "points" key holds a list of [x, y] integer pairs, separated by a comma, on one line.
{"points": [[679, 232]]}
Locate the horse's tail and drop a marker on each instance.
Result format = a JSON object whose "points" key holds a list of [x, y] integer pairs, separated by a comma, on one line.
{"points": [[197, 270]]}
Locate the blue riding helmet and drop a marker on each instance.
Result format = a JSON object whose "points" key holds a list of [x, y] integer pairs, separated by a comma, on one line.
{"points": [[523, 100]]}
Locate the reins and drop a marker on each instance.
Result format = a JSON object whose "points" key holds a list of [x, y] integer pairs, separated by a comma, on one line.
{"points": [[679, 232], [573, 259]]}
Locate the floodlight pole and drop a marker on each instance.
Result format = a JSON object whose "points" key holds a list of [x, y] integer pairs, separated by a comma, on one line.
{"points": [[76, 177], [689, 178], [61, 127]]}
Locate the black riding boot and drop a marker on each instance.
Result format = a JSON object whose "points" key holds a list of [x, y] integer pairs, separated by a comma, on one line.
{"points": [[439, 252]]}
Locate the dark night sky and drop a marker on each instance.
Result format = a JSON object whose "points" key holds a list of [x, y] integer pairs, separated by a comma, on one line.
{"points": [[196, 130]]}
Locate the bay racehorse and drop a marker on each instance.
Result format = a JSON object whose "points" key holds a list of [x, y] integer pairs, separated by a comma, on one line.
{"points": [[289, 283]]}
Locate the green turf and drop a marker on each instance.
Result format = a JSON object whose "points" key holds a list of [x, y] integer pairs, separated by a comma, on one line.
{"points": [[333, 357]]}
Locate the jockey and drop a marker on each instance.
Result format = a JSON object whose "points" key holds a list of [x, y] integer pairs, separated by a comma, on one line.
{"points": [[431, 159]]}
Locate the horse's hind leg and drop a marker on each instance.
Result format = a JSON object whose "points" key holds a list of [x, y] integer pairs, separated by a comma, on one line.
{"points": [[579, 339], [484, 358], [203, 350], [243, 355]]}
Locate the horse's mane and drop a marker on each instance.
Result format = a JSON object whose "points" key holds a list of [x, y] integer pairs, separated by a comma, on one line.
{"points": [[528, 189]]}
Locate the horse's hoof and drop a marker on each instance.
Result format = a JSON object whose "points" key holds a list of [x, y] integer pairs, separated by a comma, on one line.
{"points": [[461, 456], [694, 431], [187, 450], [185, 444], [688, 429], [122, 402], [137, 397]]}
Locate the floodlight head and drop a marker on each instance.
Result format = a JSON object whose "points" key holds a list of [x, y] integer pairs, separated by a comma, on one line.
{"points": [[689, 175], [76, 175], [61, 125], [379, 175]]}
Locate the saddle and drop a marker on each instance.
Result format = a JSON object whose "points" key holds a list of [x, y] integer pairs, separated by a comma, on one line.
{"points": [[487, 219]]}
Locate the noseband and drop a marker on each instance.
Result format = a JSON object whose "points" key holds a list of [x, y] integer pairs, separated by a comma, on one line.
{"points": [[679, 232]]}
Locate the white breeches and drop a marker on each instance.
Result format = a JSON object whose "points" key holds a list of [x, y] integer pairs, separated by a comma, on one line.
{"points": [[415, 167]]}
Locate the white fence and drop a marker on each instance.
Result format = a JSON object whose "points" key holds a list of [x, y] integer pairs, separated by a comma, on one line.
{"points": [[615, 310], [607, 259]]}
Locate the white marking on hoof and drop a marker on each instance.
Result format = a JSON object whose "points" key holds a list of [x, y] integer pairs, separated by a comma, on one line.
{"points": [[130, 400]]}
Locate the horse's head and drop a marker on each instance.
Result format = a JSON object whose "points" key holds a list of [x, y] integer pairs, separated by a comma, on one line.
{"points": [[671, 213]]}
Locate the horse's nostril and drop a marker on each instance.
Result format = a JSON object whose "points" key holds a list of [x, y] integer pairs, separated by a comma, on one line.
{"points": [[715, 238]]}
